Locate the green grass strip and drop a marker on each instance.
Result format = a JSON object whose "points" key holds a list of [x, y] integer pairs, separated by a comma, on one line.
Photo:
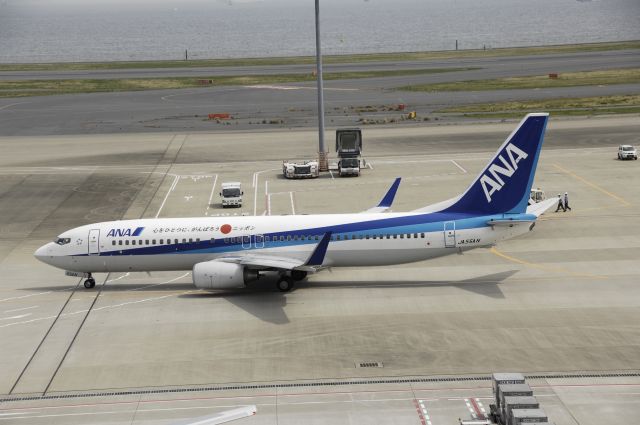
{"points": [[24, 88], [297, 60], [567, 107], [568, 79]]}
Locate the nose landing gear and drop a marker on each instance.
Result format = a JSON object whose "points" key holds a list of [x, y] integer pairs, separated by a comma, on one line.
{"points": [[89, 282]]}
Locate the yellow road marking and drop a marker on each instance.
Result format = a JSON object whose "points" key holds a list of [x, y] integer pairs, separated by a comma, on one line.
{"points": [[593, 185], [543, 267]]}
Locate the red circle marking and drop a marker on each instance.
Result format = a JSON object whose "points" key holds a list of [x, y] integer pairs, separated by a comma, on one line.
{"points": [[225, 228]]}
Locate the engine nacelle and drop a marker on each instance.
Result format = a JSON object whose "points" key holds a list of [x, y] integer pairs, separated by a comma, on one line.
{"points": [[220, 275]]}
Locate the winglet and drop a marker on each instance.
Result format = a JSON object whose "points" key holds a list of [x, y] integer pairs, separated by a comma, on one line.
{"points": [[317, 256], [388, 198]]}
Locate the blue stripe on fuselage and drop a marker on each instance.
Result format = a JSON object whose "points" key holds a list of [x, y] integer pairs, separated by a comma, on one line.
{"points": [[422, 223]]}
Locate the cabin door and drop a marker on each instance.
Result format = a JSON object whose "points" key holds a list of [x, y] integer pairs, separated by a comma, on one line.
{"points": [[94, 242], [450, 234]]}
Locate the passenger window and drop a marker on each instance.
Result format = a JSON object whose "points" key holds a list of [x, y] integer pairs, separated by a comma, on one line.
{"points": [[395, 236], [288, 237], [402, 236], [126, 242], [366, 237], [161, 241], [375, 236], [176, 241], [190, 240], [197, 240], [213, 240], [120, 242], [153, 242], [388, 236], [184, 241], [113, 242], [422, 235], [415, 236], [317, 237], [146, 242]]}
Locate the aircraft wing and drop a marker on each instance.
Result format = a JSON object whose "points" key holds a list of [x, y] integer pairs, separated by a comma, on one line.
{"points": [[221, 417], [312, 264], [387, 200], [539, 208]]}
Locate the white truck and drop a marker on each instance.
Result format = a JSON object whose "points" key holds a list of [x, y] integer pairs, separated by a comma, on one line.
{"points": [[536, 195], [627, 152], [349, 167], [349, 149], [300, 170], [231, 194]]}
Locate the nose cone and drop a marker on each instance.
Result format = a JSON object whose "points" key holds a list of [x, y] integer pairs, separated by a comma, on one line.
{"points": [[44, 253]]}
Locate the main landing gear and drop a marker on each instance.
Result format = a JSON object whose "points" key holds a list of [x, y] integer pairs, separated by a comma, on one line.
{"points": [[287, 282], [89, 282]]}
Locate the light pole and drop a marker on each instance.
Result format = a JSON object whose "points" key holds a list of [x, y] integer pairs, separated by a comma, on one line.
{"points": [[322, 149]]}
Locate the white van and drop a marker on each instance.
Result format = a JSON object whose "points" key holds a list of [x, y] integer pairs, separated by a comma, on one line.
{"points": [[231, 194]]}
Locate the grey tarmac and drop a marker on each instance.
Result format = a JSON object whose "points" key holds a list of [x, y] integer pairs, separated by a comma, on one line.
{"points": [[563, 300], [283, 106]]}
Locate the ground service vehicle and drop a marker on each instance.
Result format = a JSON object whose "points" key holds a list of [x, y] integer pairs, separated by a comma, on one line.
{"points": [[349, 167], [300, 170], [231, 194], [349, 142], [349, 148], [627, 152], [537, 195]]}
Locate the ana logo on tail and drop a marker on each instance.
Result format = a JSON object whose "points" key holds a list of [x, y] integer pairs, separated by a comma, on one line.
{"points": [[493, 183]]}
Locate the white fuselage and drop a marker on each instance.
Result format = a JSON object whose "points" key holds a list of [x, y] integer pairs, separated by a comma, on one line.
{"points": [[357, 240]]}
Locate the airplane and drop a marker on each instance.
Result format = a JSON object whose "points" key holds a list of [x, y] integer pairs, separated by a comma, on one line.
{"points": [[230, 252]]}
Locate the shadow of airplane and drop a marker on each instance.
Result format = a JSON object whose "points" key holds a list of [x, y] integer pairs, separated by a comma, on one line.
{"points": [[482, 285], [263, 301]]}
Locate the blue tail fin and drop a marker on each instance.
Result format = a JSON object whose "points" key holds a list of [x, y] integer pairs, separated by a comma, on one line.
{"points": [[504, 184]]}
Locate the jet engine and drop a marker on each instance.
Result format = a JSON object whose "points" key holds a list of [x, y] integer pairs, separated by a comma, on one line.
{"points": [[221, 275]]}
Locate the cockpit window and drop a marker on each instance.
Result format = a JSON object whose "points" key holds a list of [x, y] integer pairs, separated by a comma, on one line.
{"points": [[62, 241]]}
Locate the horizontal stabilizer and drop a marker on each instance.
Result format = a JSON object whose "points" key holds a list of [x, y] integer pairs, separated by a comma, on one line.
{"points": [[508, 221], [539, 208]]}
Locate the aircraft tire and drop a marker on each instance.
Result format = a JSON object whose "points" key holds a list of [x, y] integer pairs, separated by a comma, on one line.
{"points": [[298, 274], [285, 284], [89, 283]]}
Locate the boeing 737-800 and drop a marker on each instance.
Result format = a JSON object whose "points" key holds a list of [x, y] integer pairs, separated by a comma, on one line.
{"points": [[229, 252]]}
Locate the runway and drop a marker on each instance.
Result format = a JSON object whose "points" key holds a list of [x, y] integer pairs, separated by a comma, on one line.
{"points": [[287, 105], [563, 300]]}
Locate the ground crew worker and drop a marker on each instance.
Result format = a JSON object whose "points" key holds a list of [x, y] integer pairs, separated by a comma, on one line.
{"points": [[560, 204], [566, 202]]}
